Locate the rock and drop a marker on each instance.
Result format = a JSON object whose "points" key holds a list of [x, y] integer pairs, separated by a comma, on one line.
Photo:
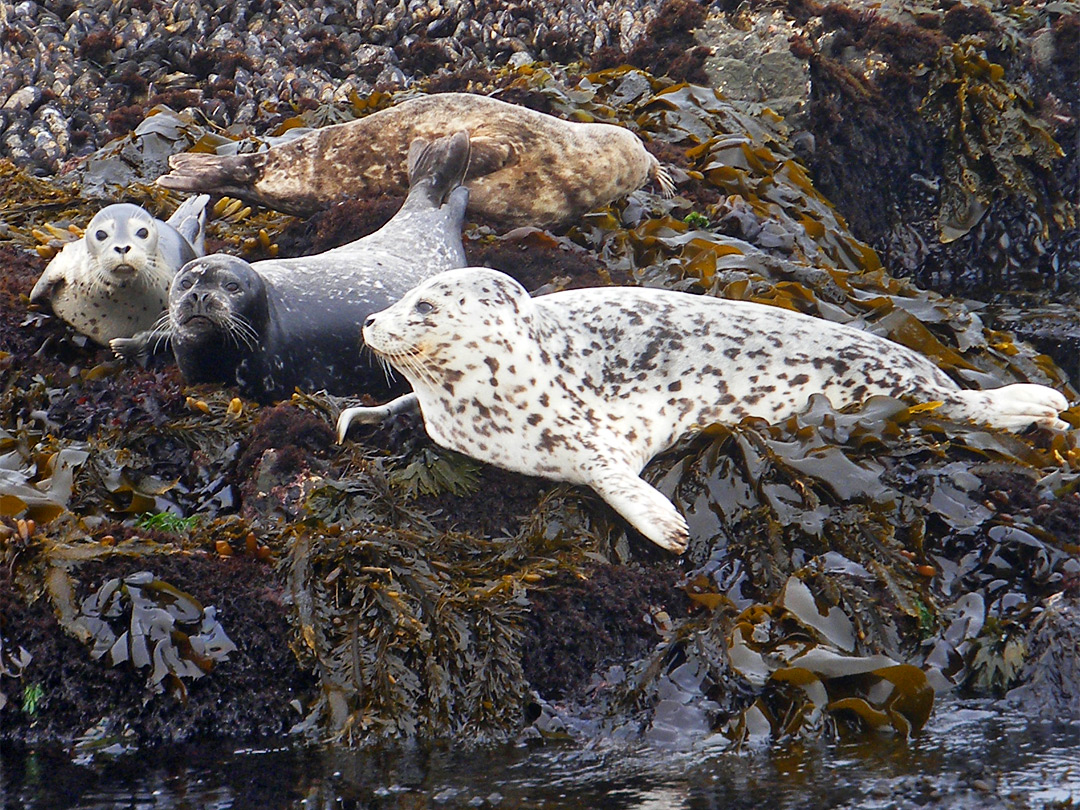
{"points": [[757, 64], [1051, 675]]}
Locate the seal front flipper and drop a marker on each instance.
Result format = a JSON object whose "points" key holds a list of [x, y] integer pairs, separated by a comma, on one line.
{"points": [[189, 220], [643, 506], [64, 266], [141, 346], [374, 415], [234, 175]]}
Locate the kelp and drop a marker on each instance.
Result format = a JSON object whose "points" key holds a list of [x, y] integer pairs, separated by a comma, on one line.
{"points": [[408, 637], [151, 624], [995, 142], [811, 676]]}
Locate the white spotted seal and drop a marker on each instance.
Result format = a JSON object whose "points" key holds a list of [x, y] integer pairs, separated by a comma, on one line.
{"points": [[114, 281], [276, 325], [527, 168], [587, 385]]}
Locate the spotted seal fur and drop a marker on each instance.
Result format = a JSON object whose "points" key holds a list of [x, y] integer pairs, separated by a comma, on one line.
{"points": [[527, 168], [114, 282], [587, 385], [274, 325]]}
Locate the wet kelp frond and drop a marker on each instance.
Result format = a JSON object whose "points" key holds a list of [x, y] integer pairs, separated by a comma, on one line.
{"points": [[995, 143], [906, 573], [408, 636], [151, 624]]}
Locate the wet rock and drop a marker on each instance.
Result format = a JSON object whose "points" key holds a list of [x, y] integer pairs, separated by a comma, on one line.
{"points": [[751, 60], [1051, 673]]}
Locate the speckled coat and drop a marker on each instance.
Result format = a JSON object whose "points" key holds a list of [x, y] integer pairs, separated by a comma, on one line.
{"points": [[587, 385]]}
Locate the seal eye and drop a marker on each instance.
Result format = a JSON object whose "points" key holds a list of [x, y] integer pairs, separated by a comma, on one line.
{"points": [[232, 287], [142, 233], [424, 307], [101, 236], [185, 283]]}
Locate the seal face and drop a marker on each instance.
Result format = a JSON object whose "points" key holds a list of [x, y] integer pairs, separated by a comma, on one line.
{"points": [[275, 325], [527, 168], [587, 385], [114, 282]]}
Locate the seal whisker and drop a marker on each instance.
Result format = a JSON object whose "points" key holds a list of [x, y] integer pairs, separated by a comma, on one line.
{"points": [[241, 330]]}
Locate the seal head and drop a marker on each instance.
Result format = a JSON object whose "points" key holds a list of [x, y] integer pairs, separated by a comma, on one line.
{"points": [[218, 318]]}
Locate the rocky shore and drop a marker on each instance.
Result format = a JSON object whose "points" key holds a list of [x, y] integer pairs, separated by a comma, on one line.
{"points": [[385, 588]]}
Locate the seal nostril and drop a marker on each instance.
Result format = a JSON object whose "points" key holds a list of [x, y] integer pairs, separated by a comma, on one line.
{"points": [[370, 321]]}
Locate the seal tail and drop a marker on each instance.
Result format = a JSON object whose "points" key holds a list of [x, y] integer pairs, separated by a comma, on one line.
{"points": [[189, 220], [437, 168], [221, 174], [1013, 407]]}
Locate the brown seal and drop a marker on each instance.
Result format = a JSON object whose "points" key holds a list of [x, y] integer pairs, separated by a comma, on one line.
{"points": [[527, 168]]}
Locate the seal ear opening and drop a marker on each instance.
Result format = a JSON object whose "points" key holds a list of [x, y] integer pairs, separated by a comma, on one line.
{"points": [[439, 167]]}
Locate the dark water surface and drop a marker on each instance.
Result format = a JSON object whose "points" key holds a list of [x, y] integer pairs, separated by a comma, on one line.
{"points": [[972, 755]]}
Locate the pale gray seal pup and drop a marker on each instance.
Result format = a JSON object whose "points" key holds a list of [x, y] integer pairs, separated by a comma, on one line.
{"points": [[587, 385], [527, 168], [280, 324], [114, 282]]}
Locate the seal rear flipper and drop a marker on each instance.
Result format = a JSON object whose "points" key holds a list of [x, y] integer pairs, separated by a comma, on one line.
{"points": [[221, 174], [189, 220], [1013, 407], [439, 167], [644, 507]]}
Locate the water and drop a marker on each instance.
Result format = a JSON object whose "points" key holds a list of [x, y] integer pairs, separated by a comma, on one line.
{"points": [[971, 755]]}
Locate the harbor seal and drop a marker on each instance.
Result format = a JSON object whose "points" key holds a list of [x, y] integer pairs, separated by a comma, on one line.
{"points": [[527, 168], [587, 385], [279, 324], [114, 282]]}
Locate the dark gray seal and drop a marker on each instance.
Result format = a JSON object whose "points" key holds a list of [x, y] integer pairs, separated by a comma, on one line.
{"points": [[527, 168], [587, 385], [114, 282], [276, 325]]}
